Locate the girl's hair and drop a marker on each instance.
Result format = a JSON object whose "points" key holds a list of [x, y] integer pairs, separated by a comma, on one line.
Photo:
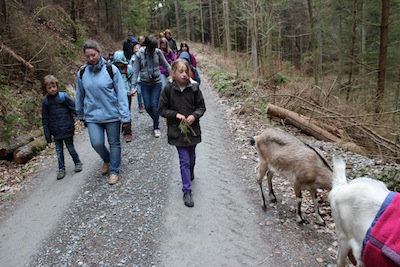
{"points": [[91, 44], [184, 44], [177, 63], [167, 31], [164, 41], [48, 79], [151, 43]]}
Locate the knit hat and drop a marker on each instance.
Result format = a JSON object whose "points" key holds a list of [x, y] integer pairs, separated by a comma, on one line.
{"points": [[120, 57], [186, 56]]}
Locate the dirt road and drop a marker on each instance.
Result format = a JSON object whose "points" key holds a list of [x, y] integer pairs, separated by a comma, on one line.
{"points": [[142, 221]]}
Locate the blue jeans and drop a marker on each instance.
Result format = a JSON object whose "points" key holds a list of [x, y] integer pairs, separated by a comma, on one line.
{"points": [[151, 95], [69, 143], [187, 160], [139, 95], [163, 80], [97, 139]]}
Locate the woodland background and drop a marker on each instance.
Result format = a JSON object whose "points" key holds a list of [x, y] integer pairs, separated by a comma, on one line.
{"points": [[334, 62]]}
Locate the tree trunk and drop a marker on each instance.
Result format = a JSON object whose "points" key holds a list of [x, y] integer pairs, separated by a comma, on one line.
{"points": [[4, 16], [73, 18], [212, 33], [302, 123], [201, 21], [352, 50], [225, 13], [7, 149], [382, 55], [313, 42], [178, 25], [25, 153]]}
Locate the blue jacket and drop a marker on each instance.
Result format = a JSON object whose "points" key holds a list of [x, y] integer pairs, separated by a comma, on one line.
{"points": [[100, 99], [58, 117]]}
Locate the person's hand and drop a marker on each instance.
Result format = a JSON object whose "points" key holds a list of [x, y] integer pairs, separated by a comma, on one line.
{"points": [[133, 91], [50, 145], [190, 119], [181, 117]]}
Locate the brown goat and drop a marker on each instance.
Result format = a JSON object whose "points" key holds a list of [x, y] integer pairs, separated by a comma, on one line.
{"points": [[282, 153]]}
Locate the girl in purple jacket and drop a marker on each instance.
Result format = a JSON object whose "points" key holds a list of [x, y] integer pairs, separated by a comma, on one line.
{"points": [[169, 56]]}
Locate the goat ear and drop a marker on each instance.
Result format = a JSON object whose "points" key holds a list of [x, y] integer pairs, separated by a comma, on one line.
{"points": [[352, 258]]}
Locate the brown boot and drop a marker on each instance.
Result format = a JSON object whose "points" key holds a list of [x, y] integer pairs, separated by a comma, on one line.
{"points": [[113, 179], [105, 168]]}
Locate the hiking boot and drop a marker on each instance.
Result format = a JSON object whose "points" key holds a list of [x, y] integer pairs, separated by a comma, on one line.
{"points": [[78, 167], [128, 138], [141, 108], [113, 179], [157, 133], [60, 174], [105, 168], [187, 199]]}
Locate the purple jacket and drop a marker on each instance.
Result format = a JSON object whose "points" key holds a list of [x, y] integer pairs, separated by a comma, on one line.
{"points": [[170, 57]]}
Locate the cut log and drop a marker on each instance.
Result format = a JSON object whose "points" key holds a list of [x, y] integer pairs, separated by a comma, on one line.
{"points": [[25, 153], [7, 148], [302, 123]]}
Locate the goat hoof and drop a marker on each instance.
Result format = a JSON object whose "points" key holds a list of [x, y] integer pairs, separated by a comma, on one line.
{"points": [[303, 222], [264, 207]]}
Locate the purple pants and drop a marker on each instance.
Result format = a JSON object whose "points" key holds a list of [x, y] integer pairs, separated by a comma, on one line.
{"points": [[187, 159]]}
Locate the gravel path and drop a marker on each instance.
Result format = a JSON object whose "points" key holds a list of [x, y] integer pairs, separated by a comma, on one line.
{"points": [[142, 221]]}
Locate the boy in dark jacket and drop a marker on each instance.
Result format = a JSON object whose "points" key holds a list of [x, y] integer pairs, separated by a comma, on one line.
{"points": [[182, 104], [58, 111]]}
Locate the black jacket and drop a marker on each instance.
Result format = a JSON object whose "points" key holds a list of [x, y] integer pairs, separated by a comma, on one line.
{"points": [[128, 48], [188, 102], [58, 117]]}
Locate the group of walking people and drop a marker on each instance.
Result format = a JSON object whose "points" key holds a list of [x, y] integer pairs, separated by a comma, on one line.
{"points": [[146, 67]]}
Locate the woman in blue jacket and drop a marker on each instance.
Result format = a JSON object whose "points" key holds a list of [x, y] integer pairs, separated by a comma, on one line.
{"points": [[101, 103]]}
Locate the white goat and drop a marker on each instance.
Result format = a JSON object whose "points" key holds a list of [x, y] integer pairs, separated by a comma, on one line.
{"points": [[354, 207], [281, 153]]}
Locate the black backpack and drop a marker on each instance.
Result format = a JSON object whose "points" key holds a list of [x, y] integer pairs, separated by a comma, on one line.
{"points": [[109, 69]]}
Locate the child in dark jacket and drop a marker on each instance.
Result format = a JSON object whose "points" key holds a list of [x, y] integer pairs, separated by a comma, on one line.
{"points": [[58, 110], [182, 104]]}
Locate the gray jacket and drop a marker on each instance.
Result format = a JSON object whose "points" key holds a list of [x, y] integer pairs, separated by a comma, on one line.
{"points": [[148, 67]]}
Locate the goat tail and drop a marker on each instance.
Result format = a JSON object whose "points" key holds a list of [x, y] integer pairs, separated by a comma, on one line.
{"points": [[252, 140], [339, 172]]}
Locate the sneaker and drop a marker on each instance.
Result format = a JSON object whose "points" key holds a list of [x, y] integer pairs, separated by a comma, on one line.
{"points": [[128, 138], [187, 198], [113, 179], [141, 108], [105, 168], [78, 167], [192, 176], [157, 133], [60, 174]]}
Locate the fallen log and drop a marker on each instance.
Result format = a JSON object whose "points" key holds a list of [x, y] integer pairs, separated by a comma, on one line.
{"points": [[7, 148], [302, 123], [25, 153], [27, 64], [309, 128]]}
